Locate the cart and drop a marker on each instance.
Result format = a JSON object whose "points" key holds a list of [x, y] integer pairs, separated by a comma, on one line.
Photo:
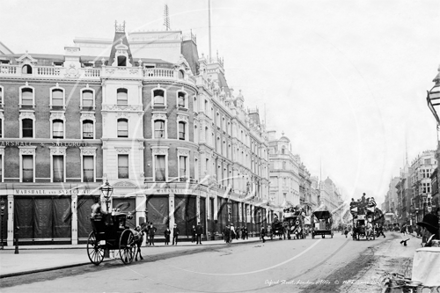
{"points": [[111, 233], [321, 224]]}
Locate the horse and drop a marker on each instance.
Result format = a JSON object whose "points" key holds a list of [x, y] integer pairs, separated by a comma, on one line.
{"points": [[139, 239]]}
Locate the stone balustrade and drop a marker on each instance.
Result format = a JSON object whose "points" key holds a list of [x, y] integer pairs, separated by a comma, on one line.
{"points": [[49, 72], [7, 70]]}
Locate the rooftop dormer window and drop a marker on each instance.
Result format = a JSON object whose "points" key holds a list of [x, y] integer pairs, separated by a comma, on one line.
{"points": [[122, 61]]}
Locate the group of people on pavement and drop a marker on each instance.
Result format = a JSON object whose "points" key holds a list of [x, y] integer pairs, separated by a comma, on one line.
{"points": [[197, 232], [151, 232], [230, 232]]}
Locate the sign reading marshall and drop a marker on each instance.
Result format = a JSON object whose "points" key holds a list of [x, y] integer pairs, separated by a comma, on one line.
{"points": [[49, 191], [54, 144]]}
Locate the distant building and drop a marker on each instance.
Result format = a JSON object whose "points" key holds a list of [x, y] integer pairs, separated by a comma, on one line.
{"points": [[284, 172]]}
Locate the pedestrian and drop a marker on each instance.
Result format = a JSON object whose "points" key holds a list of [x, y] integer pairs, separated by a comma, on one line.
{"points": [[199, 232], [193, 233], [246, 232], [176, 233], [243, 234], [151, 232], [429, 227], [232, 228], [403, 229], [346, 231], [227, 234], [263, 233], [167, 234]]}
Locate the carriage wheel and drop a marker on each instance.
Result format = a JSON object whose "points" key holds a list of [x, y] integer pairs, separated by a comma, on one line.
{"points": [[94, 250], [127, 245]]}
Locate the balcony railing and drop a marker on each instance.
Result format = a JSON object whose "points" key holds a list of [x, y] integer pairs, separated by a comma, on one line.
{"points": [[50, 71], [93, 73]]}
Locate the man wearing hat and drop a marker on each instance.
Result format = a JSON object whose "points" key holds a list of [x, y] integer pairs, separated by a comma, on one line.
{"points": [[429, 226]]}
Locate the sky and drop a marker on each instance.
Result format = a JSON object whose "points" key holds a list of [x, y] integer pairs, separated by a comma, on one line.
{"points": [[346, 81]]}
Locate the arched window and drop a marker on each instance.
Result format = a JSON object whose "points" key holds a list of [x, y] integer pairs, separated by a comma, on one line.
{"points": [[181, 100], [88, 129], [27, 96], [57, 129], [26, 69], [122, 127], [182, 130], [87, 99], [181, 74], [159, 129], [159, 97], [27, 128], [57, 98], [122, 97], [283, 150]]}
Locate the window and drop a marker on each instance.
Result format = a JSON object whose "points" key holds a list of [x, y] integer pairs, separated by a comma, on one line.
{"points": [[27, 96], [58, 169], [159, 97], [57, 129], [26, 69], [427, 161], [87, 99], [181, 74], [122, 97], [122, 61], [1, 95], [1, 128], [57, 98], [27, 128], [181, 100], [122, 127], [88, 129], [1, 168], [183, 168], [123, 166], [182, 134], [88, 169], [159, 129], [160, 168], [28, 168], [283, 151]]}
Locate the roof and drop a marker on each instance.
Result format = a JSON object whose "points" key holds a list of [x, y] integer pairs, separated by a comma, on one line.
{"points": [[119, 39], [322, 214]]}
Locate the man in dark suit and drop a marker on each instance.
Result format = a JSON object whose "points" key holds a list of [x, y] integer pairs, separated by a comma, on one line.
{"points": [[176, 233], [199, 232]]}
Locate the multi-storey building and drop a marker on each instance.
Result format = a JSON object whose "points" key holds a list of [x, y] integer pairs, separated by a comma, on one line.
{"points": [[305, 187], [141, 111], [284, 172], [330, 197], [391, 196], [404, 195], [421, 170]]}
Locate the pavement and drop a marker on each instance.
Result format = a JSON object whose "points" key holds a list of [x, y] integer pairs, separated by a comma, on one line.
{"points": [[40, 258]]}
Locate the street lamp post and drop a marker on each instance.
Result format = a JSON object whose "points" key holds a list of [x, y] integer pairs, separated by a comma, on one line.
{"points": [[106, 191], [433, 101]]}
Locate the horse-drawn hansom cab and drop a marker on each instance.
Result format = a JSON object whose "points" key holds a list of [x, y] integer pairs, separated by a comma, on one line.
{"points": [[110, 232]]}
